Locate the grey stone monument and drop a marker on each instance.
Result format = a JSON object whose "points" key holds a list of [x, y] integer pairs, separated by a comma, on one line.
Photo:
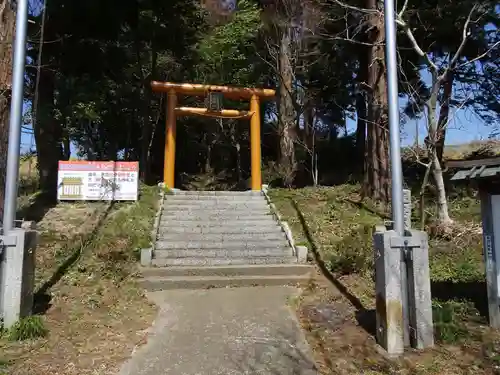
{"points": [[17, 274], [485, 175], [392, 252]]}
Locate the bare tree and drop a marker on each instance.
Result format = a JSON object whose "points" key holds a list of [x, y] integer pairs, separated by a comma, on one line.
{"points": [[7, 24], [441, 84]]}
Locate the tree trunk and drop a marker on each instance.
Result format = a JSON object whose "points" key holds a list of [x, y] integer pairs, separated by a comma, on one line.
{"points": [[377, 181], [7, 24], [443, 216], [361, 108], [444, 114], [47, 134], [361, 126], [287, 131], [442, 202], [66, 147]]}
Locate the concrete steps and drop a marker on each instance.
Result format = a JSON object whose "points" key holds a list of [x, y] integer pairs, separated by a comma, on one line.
{"points": [[217, 229], [224, 252], [213, 216], [235, 245], [203, 261], [229, 270], [157, 283], [220, 239]]}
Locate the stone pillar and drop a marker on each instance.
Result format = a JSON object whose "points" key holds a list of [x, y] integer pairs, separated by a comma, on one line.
{"points": [[419, 293], [18, 275], [392, 252], [389, 309], [491, 228]]}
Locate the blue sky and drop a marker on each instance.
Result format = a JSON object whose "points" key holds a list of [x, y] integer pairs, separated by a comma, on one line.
{"points": [[465, 126]]}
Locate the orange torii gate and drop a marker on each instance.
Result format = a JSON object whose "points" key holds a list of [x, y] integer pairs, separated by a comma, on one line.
{"points": [[235, 93]]}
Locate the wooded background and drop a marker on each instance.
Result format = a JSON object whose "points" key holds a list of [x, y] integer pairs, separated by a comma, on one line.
{"points": [[90, 64]]}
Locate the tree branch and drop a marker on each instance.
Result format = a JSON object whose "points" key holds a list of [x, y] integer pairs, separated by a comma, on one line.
{"points": [[357, 9], [416, 47], [480, 56], [465, 37]]}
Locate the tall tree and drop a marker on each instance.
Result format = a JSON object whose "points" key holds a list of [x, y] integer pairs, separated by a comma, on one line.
{"points": [[376, 183]]}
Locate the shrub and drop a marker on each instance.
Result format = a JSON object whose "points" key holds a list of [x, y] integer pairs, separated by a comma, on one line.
{"points": [[354, 254]]}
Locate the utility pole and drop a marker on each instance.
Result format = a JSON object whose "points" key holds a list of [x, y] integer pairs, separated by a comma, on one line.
{"points": [[16, 116], [17, 245]]}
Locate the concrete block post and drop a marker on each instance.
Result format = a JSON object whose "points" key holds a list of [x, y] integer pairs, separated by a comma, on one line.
{"points": [[491, 246], [18, 274], [389, 309], [419, 294]]}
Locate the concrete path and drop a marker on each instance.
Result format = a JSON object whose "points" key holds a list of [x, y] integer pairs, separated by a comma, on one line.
{"points": [[222, 332]]}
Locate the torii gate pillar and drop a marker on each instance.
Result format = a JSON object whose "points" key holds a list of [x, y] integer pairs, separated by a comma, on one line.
{"points": [[234, 93]]}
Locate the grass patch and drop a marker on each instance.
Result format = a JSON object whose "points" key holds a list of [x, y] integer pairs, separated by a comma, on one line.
{"points": [[29, 328], [86, 291], [450, 320]]}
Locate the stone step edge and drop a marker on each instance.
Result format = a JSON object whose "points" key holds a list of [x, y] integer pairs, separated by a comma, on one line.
{"points": [[213, 193], [212, 262], [168, 230], [219, 245], [195, 282], [210, 236], [226, 270], [220, 255], [250, 223]]}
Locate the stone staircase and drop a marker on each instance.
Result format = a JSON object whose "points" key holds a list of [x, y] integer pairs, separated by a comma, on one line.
{"points": [[219, 239]]}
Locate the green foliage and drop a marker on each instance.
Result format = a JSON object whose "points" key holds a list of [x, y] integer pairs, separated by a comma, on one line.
{"points": [[95, 82], [449, 320], [227, 52], [354, 254], [457, 262], [28, 328]]}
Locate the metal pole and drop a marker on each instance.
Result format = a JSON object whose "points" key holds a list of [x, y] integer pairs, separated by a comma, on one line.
{"points": [[392, 88], [396, 166], [16, 116]]}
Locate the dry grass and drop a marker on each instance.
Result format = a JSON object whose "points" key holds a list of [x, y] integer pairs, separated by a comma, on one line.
{"points": [[336, 331], [95, 314], [457, 152], [337, 312]]}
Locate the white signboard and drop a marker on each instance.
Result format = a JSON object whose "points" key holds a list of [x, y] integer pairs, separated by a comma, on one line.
{"points": [[97, 180]]}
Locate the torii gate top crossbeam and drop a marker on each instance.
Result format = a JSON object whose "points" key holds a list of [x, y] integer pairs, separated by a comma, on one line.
{"points": [[202, 90]]}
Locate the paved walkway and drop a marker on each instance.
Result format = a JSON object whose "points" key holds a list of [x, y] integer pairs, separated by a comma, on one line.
{"points": [[222, 332]]}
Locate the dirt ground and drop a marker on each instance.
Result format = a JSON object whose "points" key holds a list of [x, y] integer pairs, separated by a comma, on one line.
{"points": [[337, 308], [86, 295], [341, 334]]}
